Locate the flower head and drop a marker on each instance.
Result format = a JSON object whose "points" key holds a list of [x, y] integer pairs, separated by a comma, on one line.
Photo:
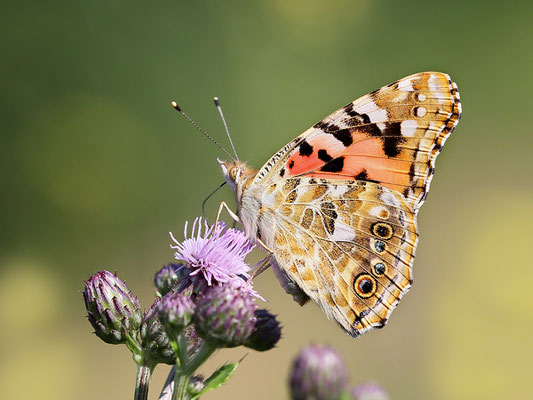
{"points": [[215, 254], [267, 331], [319, 373], [168, 277], [225, 316], [175, 312], [113, 311], [369, 391]]}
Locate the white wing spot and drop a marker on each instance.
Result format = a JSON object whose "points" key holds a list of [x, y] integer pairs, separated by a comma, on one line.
{"points": [[337, 192], [421, 97], [390, 199], [375, 113], [421, 111], [432, 83], [343, 232], [380, 212], [408, 127], [406, 86]]}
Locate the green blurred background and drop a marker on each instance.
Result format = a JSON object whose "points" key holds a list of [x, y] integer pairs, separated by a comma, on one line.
{"points": [[97, 168]]}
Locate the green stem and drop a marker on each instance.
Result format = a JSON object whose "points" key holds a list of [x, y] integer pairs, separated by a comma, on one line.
{"points": [[142, 382], [183, 374], [180, 386], [203, 354]]}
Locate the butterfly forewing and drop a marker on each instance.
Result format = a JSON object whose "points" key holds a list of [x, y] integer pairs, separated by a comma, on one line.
{"points": [[391, 136]]}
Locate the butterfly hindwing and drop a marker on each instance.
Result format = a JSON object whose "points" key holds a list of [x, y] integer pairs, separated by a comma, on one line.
{"points": [[349, 246], [391, 136]]}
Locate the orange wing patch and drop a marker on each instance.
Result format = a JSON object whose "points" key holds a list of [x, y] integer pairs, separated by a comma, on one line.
{"points": [[391, 136]]}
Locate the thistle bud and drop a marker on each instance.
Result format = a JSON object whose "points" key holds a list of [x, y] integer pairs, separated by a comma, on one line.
{"points": [[168, 277], [112, 309], [369, 391], [225, 316], [318, 373], [175, 312], [196, 384], [154, 339], [266, 333]]}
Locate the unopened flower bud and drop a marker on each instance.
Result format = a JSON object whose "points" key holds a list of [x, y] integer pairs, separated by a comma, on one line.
{"points": [[266, 333], [318, 373], [168, 277], [175, 312], [196, 384], [113, 311], [369, 391], [225, 316], [154, 339]]}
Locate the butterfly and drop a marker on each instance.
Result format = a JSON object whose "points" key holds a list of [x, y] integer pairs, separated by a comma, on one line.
{"points": [[337, 206]]}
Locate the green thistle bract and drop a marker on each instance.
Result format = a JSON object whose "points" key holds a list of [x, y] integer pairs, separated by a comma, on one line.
{"points": [[154, 339]]}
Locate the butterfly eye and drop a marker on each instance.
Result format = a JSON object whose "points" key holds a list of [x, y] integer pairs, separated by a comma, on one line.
{"points": [[382, 230], [233, 173], [365, 285]]}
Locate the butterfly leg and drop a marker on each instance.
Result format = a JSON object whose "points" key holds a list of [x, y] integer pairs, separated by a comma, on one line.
{"points": [[223, 206], [259, 268]]}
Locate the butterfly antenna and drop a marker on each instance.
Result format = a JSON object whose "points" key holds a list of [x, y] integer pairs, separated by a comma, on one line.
{"points": [[178, 108], [208, 197], [217, 104]]}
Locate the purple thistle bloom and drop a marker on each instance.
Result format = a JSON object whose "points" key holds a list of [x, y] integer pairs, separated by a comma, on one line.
{"points": [[215, 255]]}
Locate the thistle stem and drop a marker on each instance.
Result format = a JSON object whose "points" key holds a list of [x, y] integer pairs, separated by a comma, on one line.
{"points": [[183, 373], [203, 354], [142, 382]]}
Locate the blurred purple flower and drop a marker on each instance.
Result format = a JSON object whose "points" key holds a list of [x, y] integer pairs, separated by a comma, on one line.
{"points": [[319, 373], [369, 391], [215, 254]]}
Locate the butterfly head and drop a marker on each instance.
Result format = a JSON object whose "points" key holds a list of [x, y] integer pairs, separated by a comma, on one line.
{"points": [[237, 175]]}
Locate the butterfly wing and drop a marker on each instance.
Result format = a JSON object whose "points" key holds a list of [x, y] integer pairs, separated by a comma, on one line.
{"points": [[348, 245], [338, 204], [391, 136]]}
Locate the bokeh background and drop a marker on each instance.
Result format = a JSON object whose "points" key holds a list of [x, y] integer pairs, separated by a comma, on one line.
{"points": [[96, 168]]}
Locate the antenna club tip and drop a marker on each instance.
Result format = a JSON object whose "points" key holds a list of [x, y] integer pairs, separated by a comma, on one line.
{"points": [[175, 105], [217, 102]]}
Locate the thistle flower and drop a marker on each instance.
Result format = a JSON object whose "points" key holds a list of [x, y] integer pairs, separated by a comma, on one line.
{"points": [[113, 311], [266, 333], [369, 391], [215, 255], [225, 316], [175, 312], [168, 277], [154, 339], [318, 373]]}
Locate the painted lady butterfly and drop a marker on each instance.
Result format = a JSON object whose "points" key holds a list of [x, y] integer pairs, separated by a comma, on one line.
{"points": [[337, 206]]}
